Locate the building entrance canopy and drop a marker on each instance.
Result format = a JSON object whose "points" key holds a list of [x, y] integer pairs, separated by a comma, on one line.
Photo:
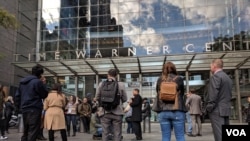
{"points": [[139, 64]]}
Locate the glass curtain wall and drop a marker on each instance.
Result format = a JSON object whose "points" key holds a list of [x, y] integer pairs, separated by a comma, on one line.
{"points": [[107, 28], [152, 27]]}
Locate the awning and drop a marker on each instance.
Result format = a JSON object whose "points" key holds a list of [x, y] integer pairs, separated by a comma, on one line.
{"points": [[139, 64]]}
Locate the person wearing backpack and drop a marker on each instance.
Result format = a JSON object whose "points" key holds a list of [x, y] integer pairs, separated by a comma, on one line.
{"points": [[171, 114], [111, 112]]}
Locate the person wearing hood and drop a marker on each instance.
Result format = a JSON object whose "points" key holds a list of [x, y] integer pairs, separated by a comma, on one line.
{"points": [[29, 100]]}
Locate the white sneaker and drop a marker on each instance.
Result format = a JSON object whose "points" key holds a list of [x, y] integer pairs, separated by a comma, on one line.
{"points": [[3, 137]]}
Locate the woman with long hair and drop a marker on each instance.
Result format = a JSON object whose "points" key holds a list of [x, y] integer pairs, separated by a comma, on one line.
{"points": [[171, 114], [9, 109], [2, 112], [71, 114], [54, 114]]}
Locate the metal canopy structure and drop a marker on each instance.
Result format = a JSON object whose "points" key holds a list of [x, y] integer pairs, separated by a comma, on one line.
{"points": [[139, 64]]}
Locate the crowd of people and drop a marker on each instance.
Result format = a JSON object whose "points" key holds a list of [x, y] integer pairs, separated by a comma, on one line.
{"points": [[50, 109]]}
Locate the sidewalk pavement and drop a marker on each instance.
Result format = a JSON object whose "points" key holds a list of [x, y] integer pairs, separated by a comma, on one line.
{"points": [[155, 134]]}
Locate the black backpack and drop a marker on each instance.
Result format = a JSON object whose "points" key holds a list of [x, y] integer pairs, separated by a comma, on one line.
{"points": [[110, 96]]}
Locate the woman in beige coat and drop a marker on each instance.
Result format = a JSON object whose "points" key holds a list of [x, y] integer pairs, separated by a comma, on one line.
{"points": [[54, 116]]}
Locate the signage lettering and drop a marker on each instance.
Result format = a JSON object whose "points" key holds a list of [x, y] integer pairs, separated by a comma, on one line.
{"points": [[131, 51], [236, 132]]}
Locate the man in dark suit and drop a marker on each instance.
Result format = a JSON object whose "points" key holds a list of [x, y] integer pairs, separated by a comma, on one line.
{"points": [[219, 98], [136, 117]]}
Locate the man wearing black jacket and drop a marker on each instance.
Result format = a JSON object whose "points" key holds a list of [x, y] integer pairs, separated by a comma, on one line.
{"points": [[146, 110], [136, 117], [28, 100]]}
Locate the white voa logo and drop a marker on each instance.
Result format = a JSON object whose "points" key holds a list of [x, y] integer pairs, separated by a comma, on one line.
{"points": [[236, 132]]}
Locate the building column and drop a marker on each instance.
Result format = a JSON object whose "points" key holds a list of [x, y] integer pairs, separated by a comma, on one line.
{"points": [[38, 38], [187, 81], [140, 82], [76, 86], [96, 81], [237, 88], [118, 77]]}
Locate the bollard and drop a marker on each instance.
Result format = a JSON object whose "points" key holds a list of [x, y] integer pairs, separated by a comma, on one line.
{"points": [[20, 123]]}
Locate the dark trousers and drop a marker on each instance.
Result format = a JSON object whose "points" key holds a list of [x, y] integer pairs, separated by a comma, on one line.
{"points": [[2, 124], [137, 129], [71, 118], [111, 123], [8, 117], [32, 125], [63, 135], [217, 121], [130, 127], [86, 123]]}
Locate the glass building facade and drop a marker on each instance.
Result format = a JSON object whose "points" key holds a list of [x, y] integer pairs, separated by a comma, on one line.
{"points": [[144, 32]]}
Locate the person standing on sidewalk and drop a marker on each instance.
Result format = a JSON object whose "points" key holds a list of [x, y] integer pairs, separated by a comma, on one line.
{"points": [[194, 105], [188, 118], [111, 120], [2, 112], [28, 99], [85, 114], [9, 110], [171, 116], [54, 118], [218, 105], [71, 114], [136, 118], [248, 111]]}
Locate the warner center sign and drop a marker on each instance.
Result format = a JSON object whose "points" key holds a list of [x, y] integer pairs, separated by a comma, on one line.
{"points": [[116, 52]]}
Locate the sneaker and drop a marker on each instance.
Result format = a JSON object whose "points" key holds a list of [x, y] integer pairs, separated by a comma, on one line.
{"points": [[3, 137]]}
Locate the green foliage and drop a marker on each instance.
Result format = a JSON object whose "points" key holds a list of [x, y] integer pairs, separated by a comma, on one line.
{"points": [[7, 20], [1, 56]]}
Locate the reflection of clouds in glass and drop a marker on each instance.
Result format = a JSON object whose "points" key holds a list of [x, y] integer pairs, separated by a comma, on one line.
{"points": [[246, 17], [51, 13], [193, 12], [129, 13]]}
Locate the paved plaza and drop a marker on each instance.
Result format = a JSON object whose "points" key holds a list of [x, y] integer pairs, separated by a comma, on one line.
{"points": [[155, 134]]}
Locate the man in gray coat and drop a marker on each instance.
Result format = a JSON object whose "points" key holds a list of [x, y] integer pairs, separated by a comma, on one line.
{"points": [[112, 119], [194, 104], [219, 98]]}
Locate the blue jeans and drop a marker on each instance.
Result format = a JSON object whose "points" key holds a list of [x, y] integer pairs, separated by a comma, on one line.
{"points": [[99, 131], [189, 123], [130, 127], [172, 120], [71, 118]]}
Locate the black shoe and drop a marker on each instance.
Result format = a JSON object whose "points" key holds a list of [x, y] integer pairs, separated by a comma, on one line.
{"points": [[74, 134], [139, 138], [41, 138], [199, 135]]}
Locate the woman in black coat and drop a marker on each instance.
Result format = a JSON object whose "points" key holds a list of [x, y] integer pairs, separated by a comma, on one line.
{"points": [[136, 117], [9, 109]]}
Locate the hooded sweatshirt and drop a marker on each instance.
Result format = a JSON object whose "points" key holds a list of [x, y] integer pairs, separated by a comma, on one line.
{"points": [[30, 94]]}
